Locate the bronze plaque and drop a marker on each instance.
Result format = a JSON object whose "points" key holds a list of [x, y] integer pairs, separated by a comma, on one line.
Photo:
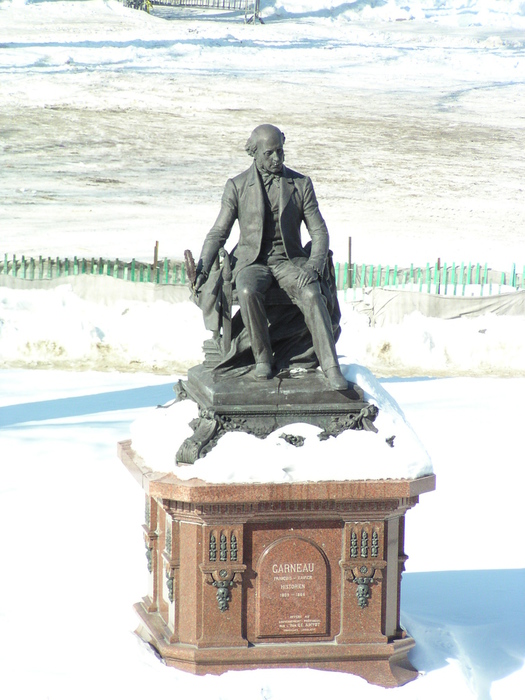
{"points": [[292, 589]]}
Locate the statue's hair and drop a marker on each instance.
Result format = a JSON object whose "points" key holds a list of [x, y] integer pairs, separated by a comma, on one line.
{"points": [[251, 144]]}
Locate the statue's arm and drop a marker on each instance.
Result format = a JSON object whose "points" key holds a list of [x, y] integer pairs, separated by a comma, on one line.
{"points": [[316, 228], [219, 232]]}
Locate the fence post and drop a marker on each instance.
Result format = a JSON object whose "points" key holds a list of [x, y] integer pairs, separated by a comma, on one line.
{"points": [[350, 258], [155, 262], [476, 278]]}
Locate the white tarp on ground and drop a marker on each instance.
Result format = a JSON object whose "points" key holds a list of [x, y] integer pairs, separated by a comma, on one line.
{"points": [[388, 306], [103, 289], [383, 306]]}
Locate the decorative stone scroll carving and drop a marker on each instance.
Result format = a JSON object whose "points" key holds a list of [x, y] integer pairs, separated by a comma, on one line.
{"points": [[363, 566], [223, 579]]}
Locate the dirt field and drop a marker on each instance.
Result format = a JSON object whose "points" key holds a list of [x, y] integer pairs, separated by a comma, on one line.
{"points": [[413, 138]]}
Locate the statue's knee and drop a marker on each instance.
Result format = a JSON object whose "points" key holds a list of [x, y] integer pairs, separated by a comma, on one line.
{"points": [[245, 293], [310, 293]]}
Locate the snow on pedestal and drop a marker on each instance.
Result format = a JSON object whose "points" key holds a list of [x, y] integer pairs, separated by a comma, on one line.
{"points": [[267, 555], [243, 458]]}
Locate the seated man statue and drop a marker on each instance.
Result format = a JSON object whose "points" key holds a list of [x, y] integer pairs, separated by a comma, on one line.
{"points": [[270, 202]]}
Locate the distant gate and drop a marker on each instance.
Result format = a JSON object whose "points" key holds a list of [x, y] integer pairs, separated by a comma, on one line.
{"points": [[251, 8]]}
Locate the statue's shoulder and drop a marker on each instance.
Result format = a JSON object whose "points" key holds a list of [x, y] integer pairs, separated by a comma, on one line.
{"points": [[244, 177], [293, 174]]}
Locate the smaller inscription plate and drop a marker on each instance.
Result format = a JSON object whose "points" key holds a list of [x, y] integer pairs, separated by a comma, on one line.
{"points": [[292, 590]]}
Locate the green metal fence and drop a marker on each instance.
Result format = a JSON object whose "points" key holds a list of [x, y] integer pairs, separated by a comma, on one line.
{"points": [[433, 278], [31, 268]]}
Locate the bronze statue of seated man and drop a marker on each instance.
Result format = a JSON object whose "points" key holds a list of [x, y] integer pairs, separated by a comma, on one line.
{"points": [[270, 202]]}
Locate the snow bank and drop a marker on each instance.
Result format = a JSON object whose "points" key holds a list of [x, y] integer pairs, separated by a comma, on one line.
{"points": [[72, 327], [456, 12], [58, 328]]}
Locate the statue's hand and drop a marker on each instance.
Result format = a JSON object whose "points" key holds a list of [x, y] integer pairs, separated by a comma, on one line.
{"points": [[199, 281], [200, 277], [306, 275]]}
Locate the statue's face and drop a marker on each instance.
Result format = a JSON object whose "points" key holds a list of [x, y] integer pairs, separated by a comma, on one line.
{"points": [[270, 155]]}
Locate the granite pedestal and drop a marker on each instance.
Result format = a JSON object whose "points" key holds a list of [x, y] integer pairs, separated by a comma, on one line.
{"points": [[245, 576]]}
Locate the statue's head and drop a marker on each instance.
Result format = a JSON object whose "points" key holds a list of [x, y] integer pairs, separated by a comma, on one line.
{"points": [[266, 146]]}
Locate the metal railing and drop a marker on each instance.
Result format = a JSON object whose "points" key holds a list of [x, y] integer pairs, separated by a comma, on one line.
{"points": [[251, 8], [465, 279]]}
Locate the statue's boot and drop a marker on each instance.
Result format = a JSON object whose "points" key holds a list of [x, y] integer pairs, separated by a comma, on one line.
{"points": [[263, 370], [336, 379]]}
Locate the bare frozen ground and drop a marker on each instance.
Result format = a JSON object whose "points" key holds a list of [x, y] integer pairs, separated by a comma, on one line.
{"points": [[120, 130]]}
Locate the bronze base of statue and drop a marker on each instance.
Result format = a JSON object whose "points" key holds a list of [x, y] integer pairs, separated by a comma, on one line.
{"points": [[239, 401]]}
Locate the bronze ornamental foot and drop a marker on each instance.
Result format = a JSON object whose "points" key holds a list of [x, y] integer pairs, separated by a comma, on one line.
{"points": [[336, 379]]}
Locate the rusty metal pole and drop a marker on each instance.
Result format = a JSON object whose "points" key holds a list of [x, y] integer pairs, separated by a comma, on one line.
{"points": [[155, 261], [350, 278]]}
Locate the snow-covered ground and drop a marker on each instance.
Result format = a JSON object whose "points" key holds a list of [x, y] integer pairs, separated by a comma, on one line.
{"points": [[118, 129], [66, 592]]}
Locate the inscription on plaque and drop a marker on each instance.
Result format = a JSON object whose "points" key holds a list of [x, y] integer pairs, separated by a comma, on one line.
{"points": [[292, 589]]}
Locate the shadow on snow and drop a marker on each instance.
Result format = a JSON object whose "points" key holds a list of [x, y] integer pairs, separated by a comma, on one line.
{"points": [[474, 617], [124, 399]]}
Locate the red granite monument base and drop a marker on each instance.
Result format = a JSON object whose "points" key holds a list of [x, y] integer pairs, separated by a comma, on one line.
{"points": [[303, 575]]}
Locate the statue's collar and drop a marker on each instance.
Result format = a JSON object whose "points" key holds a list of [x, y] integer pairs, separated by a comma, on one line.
{"points": [[265, 176]]}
